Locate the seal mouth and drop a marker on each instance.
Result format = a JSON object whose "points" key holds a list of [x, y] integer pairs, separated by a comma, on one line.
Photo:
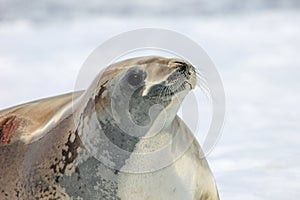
{"points": [[178, 86]]}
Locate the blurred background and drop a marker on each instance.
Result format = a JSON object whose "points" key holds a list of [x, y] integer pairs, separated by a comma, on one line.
{"points": [[253, 43]]}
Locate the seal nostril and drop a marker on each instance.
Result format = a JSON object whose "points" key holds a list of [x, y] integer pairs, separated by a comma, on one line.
{"points": [[182, 69]]}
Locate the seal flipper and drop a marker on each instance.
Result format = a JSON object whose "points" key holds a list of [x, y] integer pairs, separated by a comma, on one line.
{"points": [[30, 121]]}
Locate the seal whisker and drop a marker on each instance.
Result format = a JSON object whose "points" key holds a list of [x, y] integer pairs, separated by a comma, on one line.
{"points": [[201, 82]]}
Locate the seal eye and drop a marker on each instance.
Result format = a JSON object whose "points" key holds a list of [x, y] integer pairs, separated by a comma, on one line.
{"points": [[135, 77]]}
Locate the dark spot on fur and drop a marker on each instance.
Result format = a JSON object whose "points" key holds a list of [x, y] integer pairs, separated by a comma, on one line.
{"points": [[78, 173], [69, 155], [99, 100], [72, 148]]}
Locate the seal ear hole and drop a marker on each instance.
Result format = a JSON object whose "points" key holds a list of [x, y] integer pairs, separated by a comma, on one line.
{"points": [[135, 76]]}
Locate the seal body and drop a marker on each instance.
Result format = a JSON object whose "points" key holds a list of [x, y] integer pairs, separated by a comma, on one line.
{"points": [[118, 140]]}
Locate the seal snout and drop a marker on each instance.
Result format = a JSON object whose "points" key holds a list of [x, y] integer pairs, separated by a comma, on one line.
{"points": [[183, 74]]}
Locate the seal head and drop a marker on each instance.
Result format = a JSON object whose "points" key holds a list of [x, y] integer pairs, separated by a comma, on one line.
{"points": [[136, 99]]}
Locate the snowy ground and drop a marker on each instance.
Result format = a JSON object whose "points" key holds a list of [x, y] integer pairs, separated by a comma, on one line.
{"points": [[256, 53]]}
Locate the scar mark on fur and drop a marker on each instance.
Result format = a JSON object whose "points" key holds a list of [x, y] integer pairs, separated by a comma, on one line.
{"points": [[8, 126]]}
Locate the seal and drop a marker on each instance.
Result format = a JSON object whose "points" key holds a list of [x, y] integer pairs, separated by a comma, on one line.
{"points": [[121, 139]]}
